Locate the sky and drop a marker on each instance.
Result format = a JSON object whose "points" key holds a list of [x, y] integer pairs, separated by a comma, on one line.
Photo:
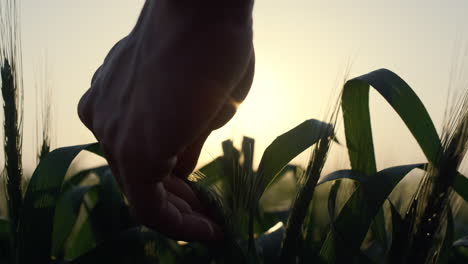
{"points": [[303, 51]]}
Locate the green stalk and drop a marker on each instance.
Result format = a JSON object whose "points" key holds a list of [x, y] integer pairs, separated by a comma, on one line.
{"points": [[12, 92], [43, 121], [293, 238], [11, 76], [12, 147], [293, 234], [434, 194]]}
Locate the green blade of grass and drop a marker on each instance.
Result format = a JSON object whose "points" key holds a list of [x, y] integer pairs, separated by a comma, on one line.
{"points": [[110, 214], [66, 213], [363, 205], [343, 174], [459, 252], [379, 186], [81, 241], [34, 244], [280, 194], [296, 170], [330, 254], [400, 96], [293, 238], [462, 242], [378, 229], [5, 228], [106, 216], [79, 177], [459, 255], [6, 242], [460, 185], [287, 146], [84, 237], [266, 220], [211, 172], [248, 154], [357, 123]]}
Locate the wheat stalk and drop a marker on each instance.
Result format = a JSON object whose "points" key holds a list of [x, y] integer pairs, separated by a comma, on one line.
{"points": [[12, 92]]}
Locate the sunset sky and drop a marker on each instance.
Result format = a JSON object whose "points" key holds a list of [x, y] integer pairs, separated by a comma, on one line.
{"points": [[303, 49]]}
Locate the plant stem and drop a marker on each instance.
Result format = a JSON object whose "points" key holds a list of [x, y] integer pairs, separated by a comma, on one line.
{"points": [[292, 239]]}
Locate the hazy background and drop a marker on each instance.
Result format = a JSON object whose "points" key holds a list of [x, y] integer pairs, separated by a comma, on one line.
{"points": [[303, 49]]}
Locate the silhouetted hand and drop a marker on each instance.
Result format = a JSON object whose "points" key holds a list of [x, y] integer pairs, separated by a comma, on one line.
{"points": [[160, 92]]}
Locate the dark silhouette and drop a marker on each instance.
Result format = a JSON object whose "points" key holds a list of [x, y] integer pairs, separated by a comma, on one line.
{"points": [[160, 92]]}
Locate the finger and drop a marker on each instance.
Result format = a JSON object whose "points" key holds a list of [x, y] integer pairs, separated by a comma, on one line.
{"points": [[182, 189], [218, 231], [196, 227], [179, 203], [187, 226], [154, 207], [146, 200]]}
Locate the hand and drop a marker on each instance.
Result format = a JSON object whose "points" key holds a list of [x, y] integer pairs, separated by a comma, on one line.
{"points": [[160, 92]]}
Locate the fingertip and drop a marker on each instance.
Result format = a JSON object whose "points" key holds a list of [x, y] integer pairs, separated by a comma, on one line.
{"points": [[180, 188], [197, 228]]}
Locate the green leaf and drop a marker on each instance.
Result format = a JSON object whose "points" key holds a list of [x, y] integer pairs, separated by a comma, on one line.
{"points": [[329, 251], [355, 105], [211, 172], [230, 154], [106, 216], [230, 166], [462, 242], [96, 149], [282, 192], [459, 255], [332, 197], [379, 186], [343, 174], [84, 236], [110, 214], [6, 239], [79, 177], [459, 252], [297, 171], [65, 217], [5, 229], [363, 205], [40, 201], [270, 245], [81, 241], [248, 154], [330, 255], [266, 220], [287, 146], [358, 131], [378, 229], [460, 185]]}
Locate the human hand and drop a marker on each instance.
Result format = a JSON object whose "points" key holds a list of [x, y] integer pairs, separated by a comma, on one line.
{"points": [[159, 93]]}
